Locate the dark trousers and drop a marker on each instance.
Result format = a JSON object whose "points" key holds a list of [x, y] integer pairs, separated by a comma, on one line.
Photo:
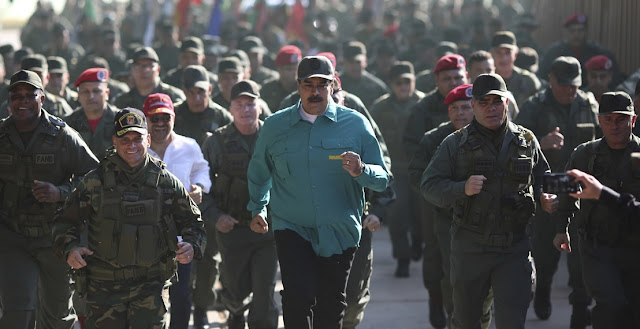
{"points": [[547, 257], [314, 287], [612, 275], [180, 298], [358, 295]]}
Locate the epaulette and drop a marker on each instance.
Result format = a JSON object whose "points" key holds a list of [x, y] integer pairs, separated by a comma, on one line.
{"points": [[526, 133]]}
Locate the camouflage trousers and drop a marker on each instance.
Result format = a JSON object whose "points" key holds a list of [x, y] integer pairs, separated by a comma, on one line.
{"points": [[135, 304]]}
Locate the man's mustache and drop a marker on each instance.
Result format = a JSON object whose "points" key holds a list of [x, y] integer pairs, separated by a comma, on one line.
{"points": [[315, 99]]}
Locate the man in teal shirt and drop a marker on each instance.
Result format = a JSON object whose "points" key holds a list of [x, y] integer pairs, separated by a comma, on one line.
{"points": [[311, 163]]}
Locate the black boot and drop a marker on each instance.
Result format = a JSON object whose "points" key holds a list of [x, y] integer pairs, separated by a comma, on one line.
{"points": [[580, 317], [437, 316], [402, 271], [542, 302], [200, 320], [235, 321]]}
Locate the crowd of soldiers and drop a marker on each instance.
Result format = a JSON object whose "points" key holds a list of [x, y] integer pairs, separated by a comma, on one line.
{"points": [[468, 123]]}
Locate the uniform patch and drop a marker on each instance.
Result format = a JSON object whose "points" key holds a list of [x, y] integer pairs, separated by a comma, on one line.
{"points": [[469, 92], [6, 159], [134, 210], [130, 196], [45, 158]]}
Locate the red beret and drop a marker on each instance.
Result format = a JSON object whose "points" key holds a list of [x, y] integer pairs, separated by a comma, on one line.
{"points": [[156, 104], [462, 92], [288, 55], [337, 83], [600, 62], [95, 74], [578, 18], [449, 62], [330, 56]]}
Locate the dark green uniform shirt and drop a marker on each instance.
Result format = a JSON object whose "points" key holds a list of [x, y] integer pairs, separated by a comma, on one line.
{"points": [[99, 140], [135, 100], [368, 88], [522, 84], [200, 125], [426, 114]]}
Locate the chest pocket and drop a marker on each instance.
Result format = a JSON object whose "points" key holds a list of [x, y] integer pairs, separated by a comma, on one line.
{"points": [[279, 160], [333, 147]]}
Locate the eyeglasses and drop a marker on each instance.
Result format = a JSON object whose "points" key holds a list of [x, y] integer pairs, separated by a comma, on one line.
{"points": [[164, 117]]}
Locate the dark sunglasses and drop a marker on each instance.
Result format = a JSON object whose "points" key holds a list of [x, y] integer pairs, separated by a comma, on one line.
{"points": [[164, 117]]}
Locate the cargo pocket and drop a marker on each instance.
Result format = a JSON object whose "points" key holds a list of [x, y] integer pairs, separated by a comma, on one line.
{"points": [[147, 245], [335, 146], [127, 245]]}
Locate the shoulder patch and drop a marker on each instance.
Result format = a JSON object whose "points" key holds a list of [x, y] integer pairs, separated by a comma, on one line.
{"points": [[57, 121]]}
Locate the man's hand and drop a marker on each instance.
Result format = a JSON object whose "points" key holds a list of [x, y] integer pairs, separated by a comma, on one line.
{"points": [[46, 192], [553, 140], [549, 202], [225, 223], [352, 163], [371, 222], [75, 259], [473, 185], [259, 224], [562, 242], [592, 188], [184, 254], [196, 193]]}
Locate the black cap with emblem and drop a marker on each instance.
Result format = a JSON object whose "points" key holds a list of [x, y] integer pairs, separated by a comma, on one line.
{"points": [[129, 119], [315, 67]]}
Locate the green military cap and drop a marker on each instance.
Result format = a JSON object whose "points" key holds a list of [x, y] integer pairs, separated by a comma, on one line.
{"points": [[25, 76], [241, 55], [354, 49], [567, 71], [195, 76], [57, 64], [616, 102], [401, 69], [489, 84], [35, 62], [252, 44], [245, 88], [192, 44], [145, 53], [230, 64], [504, 39]]}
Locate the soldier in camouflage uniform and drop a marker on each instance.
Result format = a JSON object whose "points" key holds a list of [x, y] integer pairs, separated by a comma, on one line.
{"points": [[198, 116], [249, 260], [146, 75], [490, 174], [41, 160], [562, 117], [436, 220], [392, 112], [93, 120], [256, 52], [430, 112], [521, 83], [275, 90], [59, 81], [355, 79], [53, 104], [140, 221], [608, 241]]}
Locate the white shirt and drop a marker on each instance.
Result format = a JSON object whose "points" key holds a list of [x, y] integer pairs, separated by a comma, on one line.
{"points": [[184, 159]]}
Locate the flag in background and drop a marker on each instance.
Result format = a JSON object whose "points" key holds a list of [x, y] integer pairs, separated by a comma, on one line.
{"points": [[215, 22], [262, 15], [182, 12], [90, 10], [295, 27]]}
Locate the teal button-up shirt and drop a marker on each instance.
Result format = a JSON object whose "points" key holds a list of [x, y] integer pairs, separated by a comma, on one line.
{"points": [[309, 192]]}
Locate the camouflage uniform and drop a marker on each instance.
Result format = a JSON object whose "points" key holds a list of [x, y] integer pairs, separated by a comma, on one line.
{"points": [[199, 125], [489, 242], [37, 280], [403, 219], [522, 84], [133, 217], [135, 100], [99, 140], [368, 88], [427, 114], [609, 243], [578, 124], [249, 261]]}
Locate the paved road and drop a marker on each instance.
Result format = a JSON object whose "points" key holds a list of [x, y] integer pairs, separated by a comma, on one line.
{"points": [[403, 303]]}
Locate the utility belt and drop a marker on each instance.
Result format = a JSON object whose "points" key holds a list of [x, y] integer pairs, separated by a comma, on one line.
{"points": [[124, 274], [497, 240]]}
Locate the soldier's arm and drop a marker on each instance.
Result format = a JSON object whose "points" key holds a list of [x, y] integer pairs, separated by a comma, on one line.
{"points": [[375, 175], [70, 220], [419, 163], [438, 185], [79, 160], [360, 107]]}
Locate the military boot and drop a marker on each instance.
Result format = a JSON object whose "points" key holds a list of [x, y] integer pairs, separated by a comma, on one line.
{"points": [[200, 320], [580, 317], [437, 316], [402, 271], [235, 321], [542, 302]]}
